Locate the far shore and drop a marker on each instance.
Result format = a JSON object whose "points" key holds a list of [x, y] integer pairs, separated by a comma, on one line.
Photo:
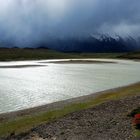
{"points": [[79, 61], [22, 66], [18, 54]]}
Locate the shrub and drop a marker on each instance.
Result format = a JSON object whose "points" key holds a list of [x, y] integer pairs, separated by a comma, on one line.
{"points": [[134, 112], [136, 121]]}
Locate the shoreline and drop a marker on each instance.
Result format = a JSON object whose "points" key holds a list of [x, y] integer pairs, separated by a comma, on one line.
{"points": [[73, 60], [105, 113], [21, 66], [8, 116], [81, 61], [13, 54], [109, 120]]}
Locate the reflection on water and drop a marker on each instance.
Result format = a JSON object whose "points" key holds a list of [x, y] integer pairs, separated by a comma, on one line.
{"points": [[22, 88]]}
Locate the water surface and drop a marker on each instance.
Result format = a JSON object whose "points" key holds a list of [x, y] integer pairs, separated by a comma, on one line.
{"points": [[24, 87]]}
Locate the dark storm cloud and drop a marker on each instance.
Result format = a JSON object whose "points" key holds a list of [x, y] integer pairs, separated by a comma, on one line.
{"points": [[33, 21]]}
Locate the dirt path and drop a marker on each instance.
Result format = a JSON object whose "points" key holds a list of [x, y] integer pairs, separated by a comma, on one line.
{"points": [[108, 121]]}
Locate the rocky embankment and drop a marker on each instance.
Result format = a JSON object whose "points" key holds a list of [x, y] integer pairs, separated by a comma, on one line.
{"points": [[108, 121]]}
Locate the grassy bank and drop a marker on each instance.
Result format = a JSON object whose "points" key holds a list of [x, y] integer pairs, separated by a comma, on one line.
{"points": [[25, 123], [35, 54]]}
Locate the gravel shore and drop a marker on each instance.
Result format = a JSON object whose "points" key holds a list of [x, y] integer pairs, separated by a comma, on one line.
{"points": [[108, 121]]}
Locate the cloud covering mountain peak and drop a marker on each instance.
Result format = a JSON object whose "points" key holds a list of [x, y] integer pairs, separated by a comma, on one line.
{"points": [[25, 22]]}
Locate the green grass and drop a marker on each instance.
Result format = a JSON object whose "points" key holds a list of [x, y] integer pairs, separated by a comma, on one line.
{"points": [[137, 133], [25, 123], [130, 55], [35, 54]]}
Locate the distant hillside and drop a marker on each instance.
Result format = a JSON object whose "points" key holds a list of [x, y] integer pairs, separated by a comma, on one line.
{"points": [[100, 44], [42, 53]]}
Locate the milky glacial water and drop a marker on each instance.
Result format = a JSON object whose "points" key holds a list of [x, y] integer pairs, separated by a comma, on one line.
{"points": [[25, 87]]}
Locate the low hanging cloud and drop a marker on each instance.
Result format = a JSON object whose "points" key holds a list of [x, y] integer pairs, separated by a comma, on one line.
{"points": [[26, 22]]}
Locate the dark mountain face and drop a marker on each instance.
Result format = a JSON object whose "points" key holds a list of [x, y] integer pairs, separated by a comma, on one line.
{"points": [[103, 43], [92, 44]]}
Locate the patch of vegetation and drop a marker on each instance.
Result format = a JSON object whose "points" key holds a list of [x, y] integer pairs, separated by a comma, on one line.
{"points": [[25, 123], [137, 133], [130, 55], [12, 54], [134, 112]]}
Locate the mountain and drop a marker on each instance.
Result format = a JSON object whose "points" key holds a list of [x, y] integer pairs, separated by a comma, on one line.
{"points": [[100, 43], [103, 43]]}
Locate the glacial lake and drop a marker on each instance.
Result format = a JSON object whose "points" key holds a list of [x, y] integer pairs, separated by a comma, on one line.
{"points": [[25, 84]]}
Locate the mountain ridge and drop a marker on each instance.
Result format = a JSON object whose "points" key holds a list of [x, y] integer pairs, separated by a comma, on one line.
{"points": [[101, 44]]}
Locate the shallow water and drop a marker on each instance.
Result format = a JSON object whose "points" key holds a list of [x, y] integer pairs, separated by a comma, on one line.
{"points": [[25, 87]]}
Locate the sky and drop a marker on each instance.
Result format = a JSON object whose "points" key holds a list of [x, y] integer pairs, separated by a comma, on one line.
{"points": [[26, 22]]}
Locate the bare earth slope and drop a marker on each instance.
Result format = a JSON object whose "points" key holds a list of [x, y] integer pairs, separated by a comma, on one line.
{"points": [[108, 121]]}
